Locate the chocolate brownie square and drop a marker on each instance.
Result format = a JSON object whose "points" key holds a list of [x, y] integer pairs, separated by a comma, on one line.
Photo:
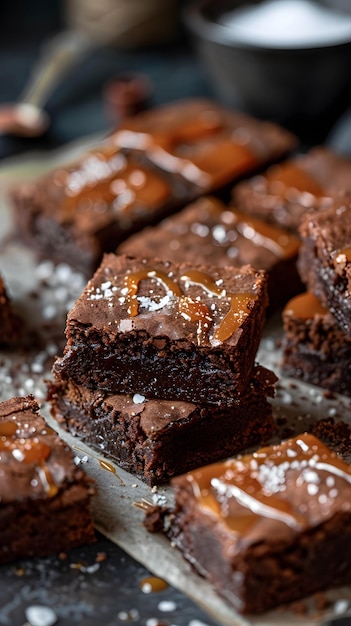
{"points": [[325, 259], [270, 527], [208, 231], [314, 348], [186, 332], [158, 439], [284, 193], [44, 497], [78, 212], [203, 142], [9, 322]]}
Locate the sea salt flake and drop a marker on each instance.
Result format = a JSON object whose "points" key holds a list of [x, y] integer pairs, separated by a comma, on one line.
{"points": [[138, 398], [312, 489], [167, 606], [341, 606], [40, 616]]}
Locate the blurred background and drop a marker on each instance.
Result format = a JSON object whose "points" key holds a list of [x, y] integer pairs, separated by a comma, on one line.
{"points": [[148, 52], [125, 38]]}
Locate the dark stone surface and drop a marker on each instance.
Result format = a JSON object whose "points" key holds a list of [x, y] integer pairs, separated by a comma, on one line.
{"points": [[80, 590]]}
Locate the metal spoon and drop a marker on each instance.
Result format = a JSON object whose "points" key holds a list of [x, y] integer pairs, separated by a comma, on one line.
{"points": [[27, 117]]}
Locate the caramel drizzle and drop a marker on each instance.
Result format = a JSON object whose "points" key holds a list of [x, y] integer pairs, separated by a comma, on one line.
{"points": [[121, 183], [257, 493], [29, 451], [153, 584], [105, 465], [192, 310], [281, 244], [291, 176], [8, 428], [305, 306]]}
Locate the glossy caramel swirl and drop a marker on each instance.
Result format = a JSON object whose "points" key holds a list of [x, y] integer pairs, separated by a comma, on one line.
{"points": [[29, 450], [282, 244], [305, 306], [193, 310], [282, 178], [297, 483], [108, 181]]}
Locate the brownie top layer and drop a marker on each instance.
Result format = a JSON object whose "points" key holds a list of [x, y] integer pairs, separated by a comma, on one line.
{"points": [[103, 186], [205, 143], [286, 191], [274, 493], [201, 304], [34, 462], [215, 234]]}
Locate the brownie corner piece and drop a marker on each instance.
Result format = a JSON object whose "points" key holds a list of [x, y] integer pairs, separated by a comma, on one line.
{"points": [[262, 527], [325, 258], [45, 497], [177, 331]]}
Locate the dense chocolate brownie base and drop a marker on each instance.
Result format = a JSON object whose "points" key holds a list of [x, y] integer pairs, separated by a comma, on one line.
{"points": [[158, 439], [314, 348], [285, 192], [164, 350], [45, 498], [264, 532], [210, 232], [9, 322], [325, 259]]}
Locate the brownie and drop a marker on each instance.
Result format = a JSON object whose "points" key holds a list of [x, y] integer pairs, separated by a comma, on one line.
{"points": [[203, 142], [285, 192], [325, 259], [9, 322], [44, 496], [170, 331], [270, 527], [158, 439], [78, 212], [314, 348], [208, 231]]}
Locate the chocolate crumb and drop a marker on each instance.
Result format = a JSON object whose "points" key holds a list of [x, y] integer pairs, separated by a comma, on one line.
{"points": [[154, 518], [336, 435]]}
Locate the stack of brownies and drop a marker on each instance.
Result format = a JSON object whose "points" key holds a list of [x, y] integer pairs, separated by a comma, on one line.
{"points": [[317, 324], [159, 367]]}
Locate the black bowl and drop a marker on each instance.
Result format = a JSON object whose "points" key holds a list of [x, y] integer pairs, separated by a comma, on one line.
{"points": [[304, 87]]}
